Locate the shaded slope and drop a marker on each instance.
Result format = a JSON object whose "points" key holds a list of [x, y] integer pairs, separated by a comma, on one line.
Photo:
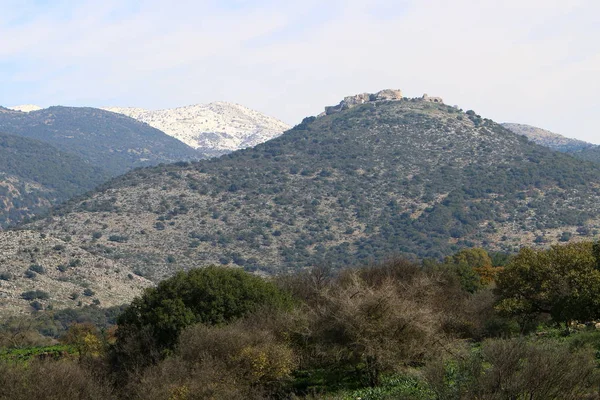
{"points": [[590, 154], [34, 176], [108, 140], [384, 178]]}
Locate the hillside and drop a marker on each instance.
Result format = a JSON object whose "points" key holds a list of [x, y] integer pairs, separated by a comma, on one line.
{"points": [[33, 176], [214, 128], [111, 141], [589, 154], [49, 271], [404, 177], [549, 139]]}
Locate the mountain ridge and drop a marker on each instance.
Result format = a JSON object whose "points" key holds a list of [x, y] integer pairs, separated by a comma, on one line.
{"points": [[217, 126]]}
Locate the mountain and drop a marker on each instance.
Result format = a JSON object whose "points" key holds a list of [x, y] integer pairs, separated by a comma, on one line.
{"points": [[110, 141], [548, 139], [34, 176], [214, 128], [409, 176]]}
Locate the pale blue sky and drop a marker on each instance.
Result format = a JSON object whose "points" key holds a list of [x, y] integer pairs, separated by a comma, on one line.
{"points": [[527, 61]]}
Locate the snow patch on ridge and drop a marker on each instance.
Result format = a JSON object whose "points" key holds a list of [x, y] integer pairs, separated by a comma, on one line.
{"points": [[218, 126], [25, 108]]}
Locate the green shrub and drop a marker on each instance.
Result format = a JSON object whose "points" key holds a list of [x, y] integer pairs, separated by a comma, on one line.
{"points": [[118, 238], [5, 276], [37, 269], [211, 295], [35, 294]]}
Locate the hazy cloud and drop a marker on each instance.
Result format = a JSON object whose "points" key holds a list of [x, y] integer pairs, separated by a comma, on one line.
{"points": [[527, 61]]}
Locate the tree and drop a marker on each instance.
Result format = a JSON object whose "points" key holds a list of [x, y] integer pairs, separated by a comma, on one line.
{"points": [[378, 319], [211, 295], [85, 337], [563, 282], [473, 267]]}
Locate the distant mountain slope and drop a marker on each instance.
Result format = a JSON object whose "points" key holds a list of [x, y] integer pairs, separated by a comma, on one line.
{"points": [[548, 139], [383, 178], [34, 175], [111, 141], [216, 127]]}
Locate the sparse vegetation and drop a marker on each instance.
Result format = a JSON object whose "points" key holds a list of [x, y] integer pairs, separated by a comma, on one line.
{"points": [[35, 294], [404, 177]]}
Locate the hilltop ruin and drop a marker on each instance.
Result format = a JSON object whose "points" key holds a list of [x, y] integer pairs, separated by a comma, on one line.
{"points": [[362, 98]]}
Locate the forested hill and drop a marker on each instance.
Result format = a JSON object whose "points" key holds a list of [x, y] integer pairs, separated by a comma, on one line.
{"points": [[34, 175], [590, 154], [383, 178], [111, 141]]}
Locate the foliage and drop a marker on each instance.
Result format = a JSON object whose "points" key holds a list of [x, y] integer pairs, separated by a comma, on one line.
{"points": [[395, 387], [394, 330], [379, 319], [211, 295], [23, 354], [515, 369], [50, 380], [35, 294], [473, 267], [38, 269], [563, 282], [28, 330], [86, 338]]}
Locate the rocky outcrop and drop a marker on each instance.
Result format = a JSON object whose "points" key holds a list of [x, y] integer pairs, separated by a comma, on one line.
{"points": [[358, 99], [387, 94], [214, 128], [432, 99]]}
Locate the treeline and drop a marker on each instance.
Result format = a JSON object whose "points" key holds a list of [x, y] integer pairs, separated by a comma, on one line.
{"points": [[464, 328]]}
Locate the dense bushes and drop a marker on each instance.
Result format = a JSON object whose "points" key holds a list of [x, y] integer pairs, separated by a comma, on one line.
{"points": [[235, 361], [35, 294], [394, 330], [515, 369], [562, 282], [210, 296], [50, 380]]}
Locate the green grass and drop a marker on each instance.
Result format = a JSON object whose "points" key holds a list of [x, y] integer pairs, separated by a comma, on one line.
{"points": [[394, 387], [54, 352]]}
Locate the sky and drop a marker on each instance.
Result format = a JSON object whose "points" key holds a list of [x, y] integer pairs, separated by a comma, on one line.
{"points": [[526, 61]]}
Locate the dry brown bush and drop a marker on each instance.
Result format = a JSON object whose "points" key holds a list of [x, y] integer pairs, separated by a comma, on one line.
{"points": [[379, 319], [516, 369], [236, 361], [52, 380]]}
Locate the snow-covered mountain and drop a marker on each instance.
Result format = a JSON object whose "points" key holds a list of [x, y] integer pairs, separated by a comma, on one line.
{"points": [[26, 108], [218, 126]]}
